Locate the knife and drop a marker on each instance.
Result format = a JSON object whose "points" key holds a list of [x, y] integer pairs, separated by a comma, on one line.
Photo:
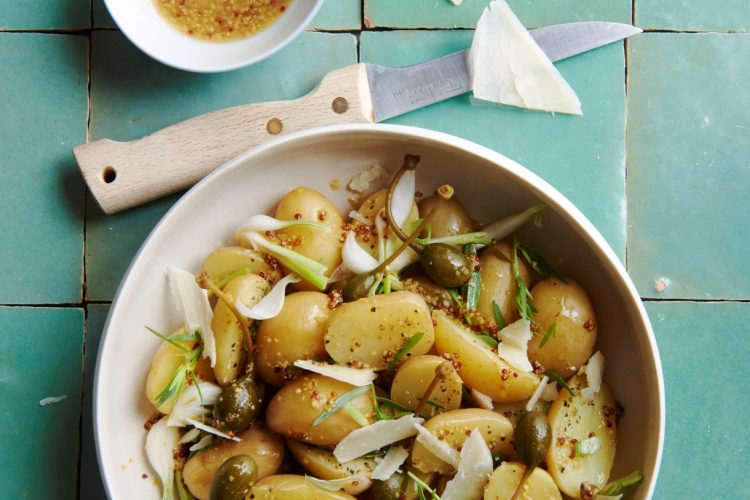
{"points": [[122, 175]]}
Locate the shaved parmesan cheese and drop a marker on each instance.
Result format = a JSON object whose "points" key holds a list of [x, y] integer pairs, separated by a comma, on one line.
{"points": [[537, 394], [508, 67], [356, 258], [391, 462], [594, 371], [192, 403], [440, 449], [361, 181], [375, 436], [474, 470], [482, 400], [513, 347], [270, 305], [550, 392], [161, 441], [403, 197], [192, 302], [354, 376]]}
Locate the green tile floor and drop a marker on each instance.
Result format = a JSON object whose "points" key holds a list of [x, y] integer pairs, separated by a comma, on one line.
{"points": [[660, 162]]}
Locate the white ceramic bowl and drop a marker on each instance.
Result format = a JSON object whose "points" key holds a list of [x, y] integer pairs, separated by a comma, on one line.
{"points": [[154, 35], [489, 184]]}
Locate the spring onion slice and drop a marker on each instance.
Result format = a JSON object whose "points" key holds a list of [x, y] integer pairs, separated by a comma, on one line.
{"points": [[269, 306], [508, 225], [307, 268], [161, 441], [403, 197], [356, 258], [192, 302], [261, 223]]}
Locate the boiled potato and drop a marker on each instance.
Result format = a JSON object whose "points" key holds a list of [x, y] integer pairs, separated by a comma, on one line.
{"points": [[504, 481], [454, 427], [265, 448], [371, 330], [479, 366], [296, 333], [167, 360], [573, 420], [223, 262], [370, 208], [231, 355], [293, 409], [293, 487], [450, 219], [323, 464], [325, 247], [498, 284], [575, 334], [413, 378]]}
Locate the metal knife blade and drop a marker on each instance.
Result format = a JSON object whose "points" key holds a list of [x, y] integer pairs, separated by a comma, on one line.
{"points": [[395, 91]]}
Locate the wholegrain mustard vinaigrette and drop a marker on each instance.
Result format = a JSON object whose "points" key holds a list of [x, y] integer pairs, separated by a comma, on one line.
{"points": [[221, 20]]}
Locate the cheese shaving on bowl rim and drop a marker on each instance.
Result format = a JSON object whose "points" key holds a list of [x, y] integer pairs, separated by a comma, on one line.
{"points": [[508, 67], [354, 376], [513, 347], [474, 470], [192, 302], [391, 462], [375, 436]]}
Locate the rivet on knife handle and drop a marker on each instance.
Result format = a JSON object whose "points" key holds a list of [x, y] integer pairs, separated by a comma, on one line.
{"points": [[121, 175]]}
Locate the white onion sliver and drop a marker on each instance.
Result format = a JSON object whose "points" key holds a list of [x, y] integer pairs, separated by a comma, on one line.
{"points": [[375, 436], [269, 306], [594, 372], [189, 436], [192, 403], [513, 347], [508, 225], [403, 197], [192, 302], [392, 460], [440, 449], [211, 430], [354, 376], [482, 400], [537, 394], [205, 442], [161, 441], [474, 470], [356, 258]]}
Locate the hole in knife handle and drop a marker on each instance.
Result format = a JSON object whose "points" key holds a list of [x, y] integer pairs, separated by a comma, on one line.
{"points": [[274, 126], [340, 105], [109, 174]]}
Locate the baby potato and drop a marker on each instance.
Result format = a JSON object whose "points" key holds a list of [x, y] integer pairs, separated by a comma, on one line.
{"points": [[293, 487], [504, 481], [293, 409], [454, 427], [575, 333], [579, 425], [325, 247], [479, 366], [265, 448], [413, 378], [498, 283], [231, 355], [323, 464], [450, 219], [296, 333], [371, 330], [227, 260], [167, 360]]}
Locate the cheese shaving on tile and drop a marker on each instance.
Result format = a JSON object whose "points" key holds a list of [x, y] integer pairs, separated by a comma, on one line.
{"points": [[192, 301], [508, 66]]}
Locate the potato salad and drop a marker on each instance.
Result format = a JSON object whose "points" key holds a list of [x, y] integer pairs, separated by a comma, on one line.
{"points": [[402, 351]]}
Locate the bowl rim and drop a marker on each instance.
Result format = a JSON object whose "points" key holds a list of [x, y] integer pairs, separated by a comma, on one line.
{"points": [[466, 146], [130, 32]]}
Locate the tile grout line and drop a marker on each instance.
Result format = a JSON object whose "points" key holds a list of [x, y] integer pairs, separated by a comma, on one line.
{"points": [[626, 207]]}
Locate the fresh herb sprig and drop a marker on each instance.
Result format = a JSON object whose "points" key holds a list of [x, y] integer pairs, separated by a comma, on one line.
{"points": [[618, 486], [539, 264], [474, 284], [187, 367], [560, 381], [523, 296], [499, 318], [489, 340], [408, 346], [549, 334], [340, 403], [423, 487]]}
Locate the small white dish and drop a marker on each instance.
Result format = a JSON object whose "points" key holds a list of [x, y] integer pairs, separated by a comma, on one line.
{"points": [[154, 34], [489, 185]]}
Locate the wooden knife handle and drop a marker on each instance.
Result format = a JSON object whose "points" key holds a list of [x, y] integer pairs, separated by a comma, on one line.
{"points": [[121, 175]]}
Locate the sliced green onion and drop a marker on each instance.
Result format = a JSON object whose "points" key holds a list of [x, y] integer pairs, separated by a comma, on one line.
{"points": [[182, 492], [560, 381], [474, 285], [549, 334], [175, 338], [489, 340], [587, 446], [618, 486], [408, 345], [479, 238], [522, 298], [512, 223], [499, 318], [309, 269], [357, 415], [340, 402], [423, 485], [262, 223], [539, 264], [229, 277], [175, 385]]}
